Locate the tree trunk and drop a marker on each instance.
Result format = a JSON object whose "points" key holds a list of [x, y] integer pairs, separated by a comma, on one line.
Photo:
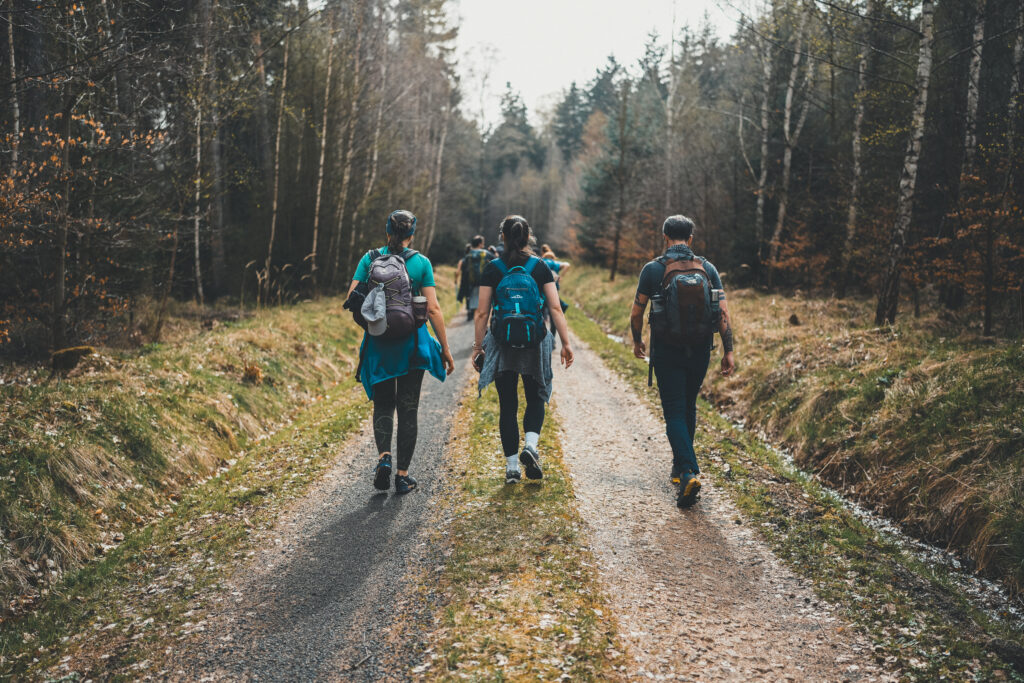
{"points": [[348, 153], [791, 137], [1013, 118], [162, 310], [973, 88], [620, 216], [888, 297], [762, 180], [277, 172], [435, 185], [858, 124], [218, 269], [323, 156], [197, 208], [15, 108], [262, 112], [64, 226]]}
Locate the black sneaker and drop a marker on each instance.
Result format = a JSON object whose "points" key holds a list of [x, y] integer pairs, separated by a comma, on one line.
{"points": [[531, 461], [382, 473], [404, 484], [688, 490], [513, 476]]}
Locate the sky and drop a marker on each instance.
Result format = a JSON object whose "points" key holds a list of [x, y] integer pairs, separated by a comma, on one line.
{"points": [[541, 46]]}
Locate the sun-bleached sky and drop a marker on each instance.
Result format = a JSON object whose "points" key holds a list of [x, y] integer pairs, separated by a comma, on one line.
{"points": [[541, 46]]}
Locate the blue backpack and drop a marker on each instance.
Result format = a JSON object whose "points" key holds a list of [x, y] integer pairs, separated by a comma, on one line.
{"points": [[518, 306]]}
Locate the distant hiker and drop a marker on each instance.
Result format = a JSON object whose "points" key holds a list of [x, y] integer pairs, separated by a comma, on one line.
{"points": [[557, 267], [687, 308], [514, 291], [397, 290], [472, 270], [460, 282]]}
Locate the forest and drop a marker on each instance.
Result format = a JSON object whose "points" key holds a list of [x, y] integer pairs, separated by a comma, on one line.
{"points": [[248, 153]]}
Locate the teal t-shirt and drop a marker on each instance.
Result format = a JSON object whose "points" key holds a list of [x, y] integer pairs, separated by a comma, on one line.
{"points": [[421, 273], [382, 359]]}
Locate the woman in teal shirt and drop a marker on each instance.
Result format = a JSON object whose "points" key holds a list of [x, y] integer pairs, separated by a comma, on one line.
{"points": [[392, 369]]}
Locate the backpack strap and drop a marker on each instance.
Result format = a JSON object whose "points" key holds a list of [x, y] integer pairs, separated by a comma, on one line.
{"points": [[501, 265], [407, 254], [374, 254], [530, 264]]}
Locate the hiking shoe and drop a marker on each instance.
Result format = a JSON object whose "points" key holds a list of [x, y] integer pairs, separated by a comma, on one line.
{"points": [[513, 476], [404, 484], [675, 476], [382, 473], [531, 461], [689, 490]]}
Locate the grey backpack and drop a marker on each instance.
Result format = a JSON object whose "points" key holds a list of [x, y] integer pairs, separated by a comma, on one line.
{"points": [[389, 271]]}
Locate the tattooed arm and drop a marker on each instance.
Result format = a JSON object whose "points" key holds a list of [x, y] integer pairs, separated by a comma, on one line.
{"points": [[725, 329], [636, 325]]}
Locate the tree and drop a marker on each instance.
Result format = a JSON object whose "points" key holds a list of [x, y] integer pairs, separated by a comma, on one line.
{"points": [[888, 297]]}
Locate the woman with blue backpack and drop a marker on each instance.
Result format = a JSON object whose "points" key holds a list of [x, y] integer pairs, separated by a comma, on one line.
{"points": [[515, 289], [394, 293]]}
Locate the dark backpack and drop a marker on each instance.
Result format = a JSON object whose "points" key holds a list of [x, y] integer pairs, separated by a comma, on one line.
{"points": [[687, 312], [390, 271], [518, 306], [474, 265]]}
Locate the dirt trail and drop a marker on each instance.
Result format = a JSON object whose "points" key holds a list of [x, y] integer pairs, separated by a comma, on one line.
{"points": [[697, 593], [318, 601]]}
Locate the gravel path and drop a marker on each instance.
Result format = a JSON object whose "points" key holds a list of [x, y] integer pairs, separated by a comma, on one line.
{"points": [[318, 602], [698, 595]]}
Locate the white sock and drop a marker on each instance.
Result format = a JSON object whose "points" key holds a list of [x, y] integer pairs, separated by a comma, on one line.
{"points": [[532, 438], [512, 463]]}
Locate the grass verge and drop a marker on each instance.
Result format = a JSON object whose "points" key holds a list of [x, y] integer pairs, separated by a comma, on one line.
{"points": [[917, 616], [921, 421], [517, 592]]}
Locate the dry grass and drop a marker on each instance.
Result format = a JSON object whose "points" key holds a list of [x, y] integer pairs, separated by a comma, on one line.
{"points": [[920, 421], [518, 596], [107, 451]]}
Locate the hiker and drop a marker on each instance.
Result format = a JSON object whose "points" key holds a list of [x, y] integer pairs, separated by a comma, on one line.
{"points": [[514, 291], [687, 308], [472, 269], [460, 282], [556, 266], [400, 295]]}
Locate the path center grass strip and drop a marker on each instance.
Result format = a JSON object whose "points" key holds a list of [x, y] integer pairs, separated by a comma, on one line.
{"points": [[918, 618], [519, 589]]}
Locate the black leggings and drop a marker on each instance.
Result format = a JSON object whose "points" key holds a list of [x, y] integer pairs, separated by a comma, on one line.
{"points": [[507, 384], [402, 393]]}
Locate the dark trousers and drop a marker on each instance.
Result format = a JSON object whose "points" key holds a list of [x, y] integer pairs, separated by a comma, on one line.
{"points": [[680, 373], [507, 384], [401, 394]]}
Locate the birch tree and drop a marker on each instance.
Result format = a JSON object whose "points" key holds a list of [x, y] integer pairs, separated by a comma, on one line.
{"points": [[323, 155], [860, 99], [888, 297], [277, 172], [791, 135]]}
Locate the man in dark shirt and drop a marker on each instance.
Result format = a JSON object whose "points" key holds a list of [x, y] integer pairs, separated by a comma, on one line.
{"points": [[680, 369]]}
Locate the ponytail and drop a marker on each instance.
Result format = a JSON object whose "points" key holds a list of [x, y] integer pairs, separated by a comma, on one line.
{"points": [[516, 233]]}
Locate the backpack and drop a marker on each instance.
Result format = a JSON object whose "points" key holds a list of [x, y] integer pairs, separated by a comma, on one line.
{"points": [[474, 265], [518, 307], [390, 271], [688, 311]]}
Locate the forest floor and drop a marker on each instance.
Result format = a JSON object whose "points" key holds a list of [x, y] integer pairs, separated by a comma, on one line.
{"points": [[289, 565]]}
